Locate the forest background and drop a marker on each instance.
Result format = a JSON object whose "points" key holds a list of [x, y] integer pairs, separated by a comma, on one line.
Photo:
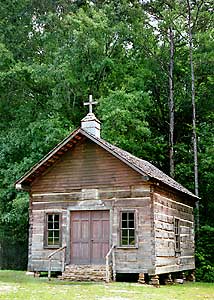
{"points": [[134, 57]]}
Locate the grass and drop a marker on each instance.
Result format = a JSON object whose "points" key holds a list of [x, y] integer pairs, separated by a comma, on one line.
{"points": [[15, 285]]}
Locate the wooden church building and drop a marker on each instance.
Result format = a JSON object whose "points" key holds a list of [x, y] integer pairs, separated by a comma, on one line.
{"points": [[97, 210]]}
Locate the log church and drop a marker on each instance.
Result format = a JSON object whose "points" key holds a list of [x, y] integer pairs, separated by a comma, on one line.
{"points": [[97, 211]]}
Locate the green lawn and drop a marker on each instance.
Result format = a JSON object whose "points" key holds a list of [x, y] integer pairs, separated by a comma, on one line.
{"points": [[16, 285]]}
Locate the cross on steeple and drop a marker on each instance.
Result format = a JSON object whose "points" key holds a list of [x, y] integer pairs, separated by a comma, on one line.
{"points": [[90, 123], [90, 103]]}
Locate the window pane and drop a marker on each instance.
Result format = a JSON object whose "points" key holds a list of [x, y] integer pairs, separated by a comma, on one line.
{"points": [[50, 234], [131, 237], [131, 224], [125, 233], [50, 225], [124, 220], [131, 232], [132, 241], [56, 233], [50, 218], [124, 224], [124, 237], [125, 241], [53, 233], [56, 225], [50, 241], [124, 215], [128, 229], [56, 218], [177, 234], [131, 216], [56, 241]]}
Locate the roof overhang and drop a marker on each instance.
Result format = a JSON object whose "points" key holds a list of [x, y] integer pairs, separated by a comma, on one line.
{"points": [[48, 160], [53, 156], [79, 135]]}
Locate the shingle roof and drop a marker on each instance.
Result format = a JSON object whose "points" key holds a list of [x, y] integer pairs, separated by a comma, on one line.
{"points": [[142, 166]]}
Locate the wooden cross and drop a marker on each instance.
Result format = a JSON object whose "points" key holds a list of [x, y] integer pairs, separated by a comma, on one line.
{"points": [[90, 103]]}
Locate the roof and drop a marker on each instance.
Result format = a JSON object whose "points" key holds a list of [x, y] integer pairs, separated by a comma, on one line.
{"points": [[143, 167]]}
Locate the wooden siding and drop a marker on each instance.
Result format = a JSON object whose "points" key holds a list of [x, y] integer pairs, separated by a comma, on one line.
{"points": [[155, 240], [167, 259], [38, 254], [173, 195], [88, 178], [136, 197], [87, 165], [140, 258]]}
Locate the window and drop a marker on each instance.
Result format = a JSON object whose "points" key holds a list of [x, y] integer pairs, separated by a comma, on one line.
{"points": [[177, 235], [52, 232], [127, 229]]}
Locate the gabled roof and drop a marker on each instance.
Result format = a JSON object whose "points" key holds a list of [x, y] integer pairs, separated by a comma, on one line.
{"points": [[143, 167]]}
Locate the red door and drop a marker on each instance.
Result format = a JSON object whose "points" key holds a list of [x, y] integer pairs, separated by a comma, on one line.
{"points": [[89, 237]]}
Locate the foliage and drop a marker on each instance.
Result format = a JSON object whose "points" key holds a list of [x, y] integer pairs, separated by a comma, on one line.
{"points": [[124, 119], [54, 53], [205, 255]]}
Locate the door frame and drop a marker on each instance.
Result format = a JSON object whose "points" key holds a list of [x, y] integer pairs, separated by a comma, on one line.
{"points": [[68, 229]]}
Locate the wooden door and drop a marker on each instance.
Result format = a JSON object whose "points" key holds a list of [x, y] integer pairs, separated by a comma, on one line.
{"points": [[89, 237]]}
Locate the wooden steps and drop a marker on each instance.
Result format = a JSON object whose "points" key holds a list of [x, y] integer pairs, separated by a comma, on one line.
{"points": [[84, 273]]}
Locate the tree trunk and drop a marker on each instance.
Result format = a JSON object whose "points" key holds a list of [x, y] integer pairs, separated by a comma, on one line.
{"points": [[171, 105], [193, 112]]}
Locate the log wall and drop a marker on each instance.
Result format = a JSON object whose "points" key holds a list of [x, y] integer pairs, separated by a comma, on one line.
{"points": [[90, 178], [128, 260], [167, 259]]}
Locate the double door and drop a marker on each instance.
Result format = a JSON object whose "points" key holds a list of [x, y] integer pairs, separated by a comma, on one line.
{"points": [[89, 236]]}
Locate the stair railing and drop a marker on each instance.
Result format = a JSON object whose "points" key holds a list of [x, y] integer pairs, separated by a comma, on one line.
{"points": [[50, 256], [108, 273]]}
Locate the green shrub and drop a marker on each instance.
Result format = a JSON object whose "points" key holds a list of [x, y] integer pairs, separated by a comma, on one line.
{"points": [[205, 255]]}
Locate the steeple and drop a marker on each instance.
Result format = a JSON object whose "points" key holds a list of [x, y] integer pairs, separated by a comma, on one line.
{"points": [[90, 123]]}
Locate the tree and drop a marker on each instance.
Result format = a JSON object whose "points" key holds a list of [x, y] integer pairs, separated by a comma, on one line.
{"points": [[171, 105], [64, 50]]}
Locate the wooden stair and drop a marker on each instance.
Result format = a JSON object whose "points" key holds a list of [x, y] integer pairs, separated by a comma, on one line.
{"points": [[84, 273]]}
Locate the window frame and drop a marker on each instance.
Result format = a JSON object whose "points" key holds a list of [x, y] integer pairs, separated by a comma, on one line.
{"points": [[46, 230], [177, 233], [127, 228]]}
